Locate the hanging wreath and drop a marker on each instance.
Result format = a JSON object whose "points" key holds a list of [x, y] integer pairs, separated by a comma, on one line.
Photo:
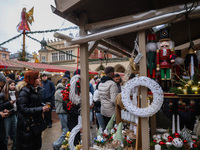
{"points": [[155, 88], [75, 93]]}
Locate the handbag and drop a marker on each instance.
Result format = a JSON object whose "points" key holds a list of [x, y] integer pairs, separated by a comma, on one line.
{"points": [[37, 125]]}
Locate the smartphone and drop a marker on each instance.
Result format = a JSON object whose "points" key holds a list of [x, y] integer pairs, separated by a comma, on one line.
{"points": [[11, 110]]}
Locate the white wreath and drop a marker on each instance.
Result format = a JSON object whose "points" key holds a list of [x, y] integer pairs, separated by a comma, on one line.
{"points": [[73, 133], [155, 88], [75, 98]]}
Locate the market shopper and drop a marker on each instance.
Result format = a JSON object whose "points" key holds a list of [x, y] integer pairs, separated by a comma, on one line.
{"points": [[118, 81], [10, 96], [97, 108], [30, 109], [62, 114], [3, 114], [48, 96], [108, 90]]}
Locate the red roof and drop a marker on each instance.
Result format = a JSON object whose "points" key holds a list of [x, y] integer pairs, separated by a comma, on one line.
{"points": [[5, 64]]}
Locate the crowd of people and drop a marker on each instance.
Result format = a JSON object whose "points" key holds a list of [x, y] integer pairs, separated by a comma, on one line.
{"points": [[27, 104]]}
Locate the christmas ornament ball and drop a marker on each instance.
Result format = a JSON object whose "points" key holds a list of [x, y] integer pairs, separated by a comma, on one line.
{"points": [[165, 136], [177, 142], [176, 135], [195, 89], [170, 138], [162, 143]]}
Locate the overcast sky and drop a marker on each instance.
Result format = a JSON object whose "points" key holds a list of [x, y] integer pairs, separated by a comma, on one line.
{"points": [[44, 19]]}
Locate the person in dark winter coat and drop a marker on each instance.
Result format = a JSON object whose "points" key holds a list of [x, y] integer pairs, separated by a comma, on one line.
{"points": [[30, 107], [48, 96], [3, 114]]}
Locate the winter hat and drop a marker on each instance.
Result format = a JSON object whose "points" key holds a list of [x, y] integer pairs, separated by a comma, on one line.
{"points": [[31, 76], [110, 123], [2, 77], [11, 76], [79, 72], [67, 75]]}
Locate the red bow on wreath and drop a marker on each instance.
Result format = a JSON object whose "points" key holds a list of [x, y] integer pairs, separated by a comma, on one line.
{"points": [[69, 105]]}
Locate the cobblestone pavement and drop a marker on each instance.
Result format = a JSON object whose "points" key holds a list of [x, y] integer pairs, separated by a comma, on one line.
{"points": [[52, 134]]}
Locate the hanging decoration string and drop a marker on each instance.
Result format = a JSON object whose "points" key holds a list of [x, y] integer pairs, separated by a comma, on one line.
{"points": [[33, 32], [11, 39], [52, 30], [51, 46]]}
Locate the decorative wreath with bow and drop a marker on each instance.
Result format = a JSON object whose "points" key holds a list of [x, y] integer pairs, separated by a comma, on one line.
{"points": [[71, 94]]}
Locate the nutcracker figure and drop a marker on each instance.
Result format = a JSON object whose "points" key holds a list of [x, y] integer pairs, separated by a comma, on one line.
{"points": [[164, 58], [151, 48]]}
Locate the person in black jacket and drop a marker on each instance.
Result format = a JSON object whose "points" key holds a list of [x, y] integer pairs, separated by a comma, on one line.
{"points": [[29, 106], [3, 114], [48, 96]]}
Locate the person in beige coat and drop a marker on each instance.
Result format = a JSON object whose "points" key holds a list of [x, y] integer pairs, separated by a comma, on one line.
{"points": [[108, 91]]}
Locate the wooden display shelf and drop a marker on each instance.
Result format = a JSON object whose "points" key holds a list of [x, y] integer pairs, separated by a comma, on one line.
{"points": [[172, 95]]}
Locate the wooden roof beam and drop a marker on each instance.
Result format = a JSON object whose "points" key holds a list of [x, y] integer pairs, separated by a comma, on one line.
{"points": [[134, 18], [71, 17], [104, 43], [92, 46], [105, 49], [136, 26]]}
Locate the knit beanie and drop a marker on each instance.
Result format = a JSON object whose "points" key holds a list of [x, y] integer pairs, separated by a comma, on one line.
{"points": [[31, 76], [2, 77], [11, 76], [67, 75]]}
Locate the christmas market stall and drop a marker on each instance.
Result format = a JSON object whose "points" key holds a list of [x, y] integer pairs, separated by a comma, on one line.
{"points": [[157, 109], [7, 67]]}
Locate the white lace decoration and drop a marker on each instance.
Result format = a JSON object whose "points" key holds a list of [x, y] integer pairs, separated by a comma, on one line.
{"points": [[73, 133], [158, 96], [75, 98]]}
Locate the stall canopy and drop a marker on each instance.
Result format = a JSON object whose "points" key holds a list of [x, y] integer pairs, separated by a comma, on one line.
{"points": [[38, 66], [5, 65]]}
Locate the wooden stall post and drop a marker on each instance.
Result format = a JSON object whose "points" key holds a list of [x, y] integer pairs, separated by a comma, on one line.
{"points": [[143, 72], [85, 108]]}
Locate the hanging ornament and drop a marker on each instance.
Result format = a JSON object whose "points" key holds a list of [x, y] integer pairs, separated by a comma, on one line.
{"points": [[26, 17]]}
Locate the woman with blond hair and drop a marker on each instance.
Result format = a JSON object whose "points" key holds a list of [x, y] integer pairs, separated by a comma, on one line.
{"points": [[30, 109]]}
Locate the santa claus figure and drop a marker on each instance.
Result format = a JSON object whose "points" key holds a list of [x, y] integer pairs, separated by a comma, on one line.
{"points": [[165, 58], [151, 48]]}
